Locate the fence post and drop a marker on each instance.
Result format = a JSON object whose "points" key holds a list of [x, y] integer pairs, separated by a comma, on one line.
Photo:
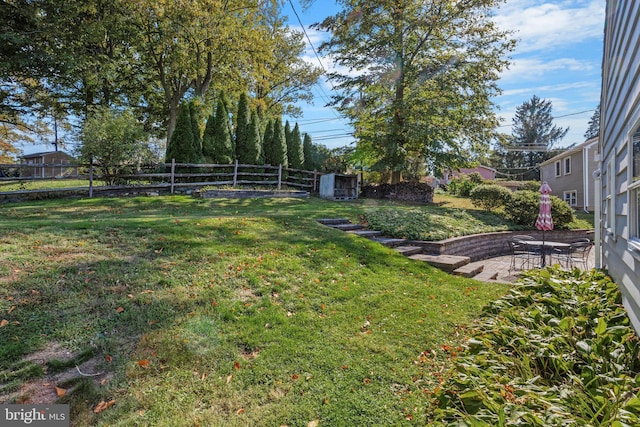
{"points": [[279, 176], [235, 174], [173, 170], [315, 178], [90, 177]]}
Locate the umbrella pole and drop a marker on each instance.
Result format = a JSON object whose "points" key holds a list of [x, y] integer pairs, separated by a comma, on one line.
{"points": [[542, 250]]}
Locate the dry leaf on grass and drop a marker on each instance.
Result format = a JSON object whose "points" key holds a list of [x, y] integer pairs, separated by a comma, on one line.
{"points": [[103, 405], [3, 323], [61, 391], [144, 363]]}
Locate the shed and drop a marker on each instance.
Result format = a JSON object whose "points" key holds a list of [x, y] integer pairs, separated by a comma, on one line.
{"points": [[335, 186]]}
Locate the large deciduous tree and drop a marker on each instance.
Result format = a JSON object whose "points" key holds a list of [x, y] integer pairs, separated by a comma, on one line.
{"points": [[421, 77]]}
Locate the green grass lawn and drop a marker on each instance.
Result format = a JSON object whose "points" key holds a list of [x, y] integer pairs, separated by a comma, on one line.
{"points": [[222, 312]]}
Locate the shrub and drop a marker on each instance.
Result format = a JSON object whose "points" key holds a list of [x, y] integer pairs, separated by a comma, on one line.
{"points": [[489, 196], [529, 185], [462, 185], [525, 205]]}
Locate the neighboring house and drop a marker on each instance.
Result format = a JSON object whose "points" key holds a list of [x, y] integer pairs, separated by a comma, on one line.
{"points": [[485, 172], [48, 164], [570, 174], [620, 152]]}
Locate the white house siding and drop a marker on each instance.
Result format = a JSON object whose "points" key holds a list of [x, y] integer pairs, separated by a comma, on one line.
{"points": [[620, 119]]}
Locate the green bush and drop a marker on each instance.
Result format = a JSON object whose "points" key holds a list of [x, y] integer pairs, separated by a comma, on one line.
{"points": [[462, 185], [529, 185], [525, 205], [489, 196]]}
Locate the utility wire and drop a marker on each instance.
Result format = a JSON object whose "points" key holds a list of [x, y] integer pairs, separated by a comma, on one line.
{"points": [[295, 12]]}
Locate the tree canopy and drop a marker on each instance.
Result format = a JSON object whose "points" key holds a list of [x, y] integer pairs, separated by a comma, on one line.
{"points": [[63, 58], [420, 78], [532, 140]]}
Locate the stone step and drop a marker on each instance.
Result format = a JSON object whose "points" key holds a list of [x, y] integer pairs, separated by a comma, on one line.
{"points": [[333, 221], [366, 233], [389, 241], [346, 227], [447, 263], [469, 270], [408, 250]]}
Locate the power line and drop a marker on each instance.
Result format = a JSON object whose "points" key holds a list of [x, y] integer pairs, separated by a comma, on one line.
{"points": [[324, 70], [559, 117]]}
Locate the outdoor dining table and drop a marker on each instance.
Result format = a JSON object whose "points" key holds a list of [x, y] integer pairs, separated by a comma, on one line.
{"points": [[546, 246]]}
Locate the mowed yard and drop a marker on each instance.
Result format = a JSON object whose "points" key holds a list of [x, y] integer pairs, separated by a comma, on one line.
{"points": [[176, 311]]}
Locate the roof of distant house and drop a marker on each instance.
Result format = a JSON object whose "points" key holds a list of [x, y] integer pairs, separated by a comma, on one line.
{"points": [[571, 150], [32, 155]]}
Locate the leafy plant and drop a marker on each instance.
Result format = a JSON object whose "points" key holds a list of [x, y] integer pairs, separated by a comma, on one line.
{"points": [[489, 196], [525, 205], [557, 350]]}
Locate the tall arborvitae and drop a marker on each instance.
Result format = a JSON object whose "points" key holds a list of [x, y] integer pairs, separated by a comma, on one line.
{"points": [[279, 144], [222, 139], [180, 147], [294, 149], [267, 144], [208, 147], [307, 149], [194, 111], [243, 118], [251, 155]]}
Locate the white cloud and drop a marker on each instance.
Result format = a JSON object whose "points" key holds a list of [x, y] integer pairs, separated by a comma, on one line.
{"points": [[534, 68], [546, 25]]}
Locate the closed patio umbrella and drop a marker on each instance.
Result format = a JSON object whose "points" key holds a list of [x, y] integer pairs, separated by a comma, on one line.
{"points": [[544, 221]]}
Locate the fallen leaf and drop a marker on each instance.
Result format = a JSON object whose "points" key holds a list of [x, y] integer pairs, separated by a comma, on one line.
{"points": [[229, 378], [313, 423], [104, 381], [13, 307], [236, 365], [130, 296], [108, 358], [240, 411], [144, 363], [61, 391], [3, 323], [119, 310], [103, 405], [153, 322]]}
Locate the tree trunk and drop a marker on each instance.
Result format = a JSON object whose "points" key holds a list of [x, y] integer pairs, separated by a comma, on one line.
{"points": [[396, 177]]}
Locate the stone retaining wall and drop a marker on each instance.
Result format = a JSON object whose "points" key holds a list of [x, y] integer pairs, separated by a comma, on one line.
{"points": [[489, 245]]}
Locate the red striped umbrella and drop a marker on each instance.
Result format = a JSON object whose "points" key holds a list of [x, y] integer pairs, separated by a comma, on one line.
{"points": [[544, 221]]}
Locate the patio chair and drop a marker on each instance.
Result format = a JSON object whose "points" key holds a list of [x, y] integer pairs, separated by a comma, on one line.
{"points": [[576, 254], [521, 253]]}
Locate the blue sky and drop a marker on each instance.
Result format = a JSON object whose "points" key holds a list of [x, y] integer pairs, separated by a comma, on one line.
{"points": [[558, 57]]}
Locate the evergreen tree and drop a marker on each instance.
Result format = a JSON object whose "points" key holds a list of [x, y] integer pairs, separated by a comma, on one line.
{"points": [[267, 144], [243, 118], [180, 146], [279, 144], [208, 148], [533, 137], [222, 139], [252, 154], [594, 125], [307, 149], [294, 149], [194, 111]]}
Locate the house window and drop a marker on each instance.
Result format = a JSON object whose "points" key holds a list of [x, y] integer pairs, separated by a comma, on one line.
{"points": [[558, 168], [571, 197], [567, 165], [634, 193]]}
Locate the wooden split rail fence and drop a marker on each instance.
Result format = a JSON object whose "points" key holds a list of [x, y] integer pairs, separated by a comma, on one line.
{"points": [[167, 177]]}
